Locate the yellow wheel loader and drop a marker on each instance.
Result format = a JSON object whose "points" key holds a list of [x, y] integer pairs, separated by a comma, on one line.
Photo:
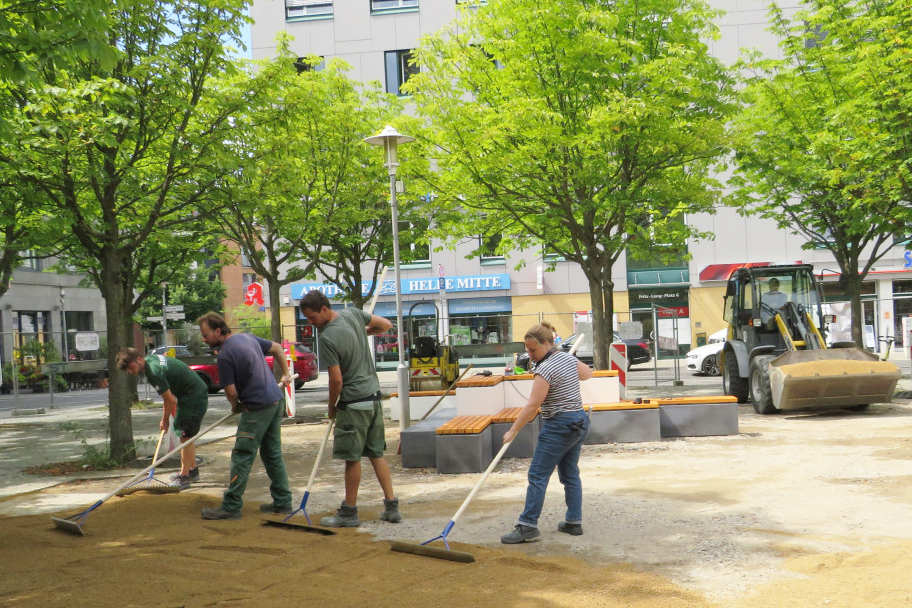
{"points": [[777, 357], [433, 365]]}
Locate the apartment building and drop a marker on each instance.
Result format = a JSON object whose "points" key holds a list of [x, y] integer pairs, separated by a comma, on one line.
{"points": [[487, 299]]}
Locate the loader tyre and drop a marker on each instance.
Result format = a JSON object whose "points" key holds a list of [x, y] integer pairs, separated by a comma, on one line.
{"points": [[732, 383], [760, 392]]}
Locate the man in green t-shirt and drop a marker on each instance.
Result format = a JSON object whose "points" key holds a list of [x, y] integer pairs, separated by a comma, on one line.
{"points": [[185, 396], [354, 401]]}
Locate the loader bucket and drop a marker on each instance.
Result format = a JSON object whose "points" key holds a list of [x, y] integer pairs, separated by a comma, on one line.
{"points": [[834, 377]]}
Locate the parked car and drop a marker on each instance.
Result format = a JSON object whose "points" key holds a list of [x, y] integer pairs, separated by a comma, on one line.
{"points": [[305, 366], [637, 351], [705, 359], [179, 351]]}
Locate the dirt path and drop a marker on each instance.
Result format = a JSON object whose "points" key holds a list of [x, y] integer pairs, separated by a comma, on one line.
{"points": [[799, 510]]}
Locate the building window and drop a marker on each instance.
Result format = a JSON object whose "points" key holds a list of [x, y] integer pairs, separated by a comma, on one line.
{"points": [[399, 68], [488, 246], [30, 260], [389, 5], [306, 64], [411, 250], [248, 279], [308, 8]]}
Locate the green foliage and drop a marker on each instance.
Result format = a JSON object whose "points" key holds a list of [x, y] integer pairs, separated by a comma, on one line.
{"points": [[824, 145], [94, 457], [126, 156], [334, 210], [250, 319], [587, 128]]}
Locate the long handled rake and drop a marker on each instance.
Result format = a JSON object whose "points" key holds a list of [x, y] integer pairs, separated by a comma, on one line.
{"points": [[73, 524], [455, 556], [303, 508], [151, 483]]}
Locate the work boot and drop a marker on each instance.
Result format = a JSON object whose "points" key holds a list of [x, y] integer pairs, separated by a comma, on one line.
{"points": [[219, 513], [391, 511], [571, 529], [520, 534], [345, 517], [272, 508], [194, 475]]}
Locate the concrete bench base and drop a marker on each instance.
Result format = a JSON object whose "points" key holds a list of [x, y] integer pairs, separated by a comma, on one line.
{"points": [[464, 453], [624, 426], [418, 442], [524, 443], [698, 419]]}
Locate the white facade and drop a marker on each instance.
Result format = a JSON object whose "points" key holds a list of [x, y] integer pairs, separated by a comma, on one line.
{"points": [[363, 39]]}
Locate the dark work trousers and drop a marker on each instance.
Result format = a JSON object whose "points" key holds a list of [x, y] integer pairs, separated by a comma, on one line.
{"points": [[258, 430]]}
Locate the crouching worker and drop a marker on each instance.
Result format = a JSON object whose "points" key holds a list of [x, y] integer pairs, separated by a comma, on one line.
{"points": [[186, 398]]}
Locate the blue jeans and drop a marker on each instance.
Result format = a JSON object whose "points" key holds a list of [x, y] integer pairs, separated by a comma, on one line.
{"points": [[559, 445]]}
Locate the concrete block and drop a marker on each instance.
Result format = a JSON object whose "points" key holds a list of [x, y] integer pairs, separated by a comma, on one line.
{"points": [[464, 453], [420, 402], [624, 425], [419, 443], [517, 389], [524, 443], [698, 419], [601, 388], [479, 400]]}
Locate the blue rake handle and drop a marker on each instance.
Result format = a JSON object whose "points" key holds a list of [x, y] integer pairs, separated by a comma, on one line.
{"points": [[313, 474], [449, 526]]}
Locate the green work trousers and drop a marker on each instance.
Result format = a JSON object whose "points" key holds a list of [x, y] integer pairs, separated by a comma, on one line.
{"points": [[258, 430]]}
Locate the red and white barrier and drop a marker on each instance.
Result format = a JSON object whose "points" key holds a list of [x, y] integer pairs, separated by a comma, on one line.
{"points": [[617, 359]]}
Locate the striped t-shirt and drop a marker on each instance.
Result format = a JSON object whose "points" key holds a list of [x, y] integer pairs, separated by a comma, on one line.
{"points": [[559, 370]]}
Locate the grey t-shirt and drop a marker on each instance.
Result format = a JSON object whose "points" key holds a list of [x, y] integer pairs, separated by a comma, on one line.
{"points": [[343, 342]]}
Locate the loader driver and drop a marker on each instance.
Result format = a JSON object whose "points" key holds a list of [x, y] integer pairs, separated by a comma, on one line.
{"points": [[771, 301]]}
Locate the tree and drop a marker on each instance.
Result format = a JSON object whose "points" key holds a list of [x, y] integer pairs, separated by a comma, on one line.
{"points": [[588, 126], [198, 289], [824, 144], [309, 183], [125, 157]]}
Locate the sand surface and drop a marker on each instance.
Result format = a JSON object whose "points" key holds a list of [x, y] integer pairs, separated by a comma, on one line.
{"points": [[799, 510]]}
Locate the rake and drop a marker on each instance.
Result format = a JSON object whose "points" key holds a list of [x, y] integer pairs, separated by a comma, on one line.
{"points": [[73, 524], [447, 553], [303, 508], [151, 483]]}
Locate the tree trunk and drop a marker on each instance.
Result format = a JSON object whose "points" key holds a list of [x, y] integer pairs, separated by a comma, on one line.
{"points": [[118, 300], [853, 290], [275, 307]]}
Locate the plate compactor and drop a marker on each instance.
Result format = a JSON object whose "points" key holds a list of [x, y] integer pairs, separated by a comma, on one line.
{"points": [[433, 365]]}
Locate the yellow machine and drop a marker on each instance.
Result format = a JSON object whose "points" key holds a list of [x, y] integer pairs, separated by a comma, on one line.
{"points": [[776, 356], [433, 365]]}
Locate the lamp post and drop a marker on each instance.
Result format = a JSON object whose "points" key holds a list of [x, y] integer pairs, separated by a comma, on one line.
{"points": [[390, 139], [63, 325]]}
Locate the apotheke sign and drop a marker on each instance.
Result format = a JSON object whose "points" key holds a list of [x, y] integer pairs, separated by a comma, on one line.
{"points": [[485, 282]]}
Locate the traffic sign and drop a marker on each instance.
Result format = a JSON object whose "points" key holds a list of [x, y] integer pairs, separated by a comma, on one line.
{"points": [[174, 316], [174, 308], [154, 319]]}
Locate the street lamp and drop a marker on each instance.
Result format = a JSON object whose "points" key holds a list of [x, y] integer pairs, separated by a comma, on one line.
{"points": [[390, 139], [63, 325]]}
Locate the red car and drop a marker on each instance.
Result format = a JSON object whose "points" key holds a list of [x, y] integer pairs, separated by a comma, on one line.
{"points": [[305, 366]]}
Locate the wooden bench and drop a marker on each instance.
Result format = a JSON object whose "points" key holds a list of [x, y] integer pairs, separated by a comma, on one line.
{"points": [[465, 425], [464, 444]]}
